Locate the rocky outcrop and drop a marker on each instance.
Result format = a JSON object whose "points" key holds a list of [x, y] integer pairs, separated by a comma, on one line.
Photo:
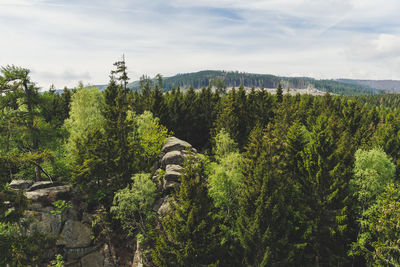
{"points": [[168, 171], [50, 194], [175, 144], [75, 235], [71, 227], [173, 154], [21, 184]]}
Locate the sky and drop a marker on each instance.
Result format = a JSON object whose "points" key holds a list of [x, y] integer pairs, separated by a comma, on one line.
{"points": [[63, 42]]}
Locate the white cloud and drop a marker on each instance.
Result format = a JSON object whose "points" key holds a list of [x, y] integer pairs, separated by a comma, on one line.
{"points": [[383, 47], [331, 38]]}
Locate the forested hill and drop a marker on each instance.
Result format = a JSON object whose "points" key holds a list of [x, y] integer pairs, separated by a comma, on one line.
{"points": [[229, 79], [392, 86]]}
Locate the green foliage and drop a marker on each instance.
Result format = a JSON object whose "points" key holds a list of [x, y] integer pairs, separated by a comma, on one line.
{"points": [[378, 240], [133, 205], [223, 79], [279, 93], [22, 247], [189, 235], [224, 144], [85, 116], [58, 262], [225, 176], [61, 206], [151, 135], [373, 170], [23, 127], [264, 222], [306, 190]]}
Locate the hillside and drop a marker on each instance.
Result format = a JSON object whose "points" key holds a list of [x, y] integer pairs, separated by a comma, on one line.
{"points": [[230, 79], [392, 86]]}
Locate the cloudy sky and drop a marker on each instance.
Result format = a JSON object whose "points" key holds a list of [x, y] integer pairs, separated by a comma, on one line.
{"points": [[65, 41]]}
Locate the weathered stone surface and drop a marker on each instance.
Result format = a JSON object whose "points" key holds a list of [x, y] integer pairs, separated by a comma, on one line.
{"points": [[137, 258], [169, 185], [46, 222], [108, 259], [21, 184], [173, 168], [42, 184], [165, 207], [173, 143], [172, 173], [87, 218], [173, 157], [94, 259], [75, 235], [49, 194], [77, 253]]}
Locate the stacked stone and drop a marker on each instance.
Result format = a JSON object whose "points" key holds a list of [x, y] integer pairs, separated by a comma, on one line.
{"points": [[72, 229], [173, 154]]}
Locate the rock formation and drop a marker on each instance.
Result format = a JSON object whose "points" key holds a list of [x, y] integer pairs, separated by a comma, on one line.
{"points": [[71, 228], [167, 176]]}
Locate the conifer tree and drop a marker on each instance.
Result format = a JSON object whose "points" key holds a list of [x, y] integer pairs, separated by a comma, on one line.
{"points": [[189, 235], [279, 93], [116, 131], [264, 224], [325, 194], [20, 97]]}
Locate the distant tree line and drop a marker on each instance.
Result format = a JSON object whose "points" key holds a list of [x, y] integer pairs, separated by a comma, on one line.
{"points": [[234, 79]]}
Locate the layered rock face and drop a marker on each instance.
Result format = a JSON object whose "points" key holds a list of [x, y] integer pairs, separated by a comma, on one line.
{"points": [[173, 154], [167, 175], [71, 228]]}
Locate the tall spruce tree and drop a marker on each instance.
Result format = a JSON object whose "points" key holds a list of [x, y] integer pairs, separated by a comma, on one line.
{"points": [[189, 235], [263, 223], [279, 93], [324, 189]]}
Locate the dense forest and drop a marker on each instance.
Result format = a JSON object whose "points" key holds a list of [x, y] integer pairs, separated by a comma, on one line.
{"points": [[279, 180], [223, 79]]}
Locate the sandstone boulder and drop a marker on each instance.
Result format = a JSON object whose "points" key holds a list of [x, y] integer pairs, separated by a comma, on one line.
{"points": [[173, 157], [21, 184], [95, 259], [172, 172], [75, 234], [42, 184], [48, 195], [165, 207], [175, 144], [168, 186], [46, 222]]}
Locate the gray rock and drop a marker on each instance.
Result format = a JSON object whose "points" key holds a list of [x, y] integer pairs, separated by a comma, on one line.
{"points": [[168, 186], [42, 184], [50, 194], [87, 218], [175, 144], [137, 258], [75, 235], [172, 173], [108, 259], [165, 207], [173, 157], [46, 222], [21, 184], [173, 168], [95, 259], [77, 253]]}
